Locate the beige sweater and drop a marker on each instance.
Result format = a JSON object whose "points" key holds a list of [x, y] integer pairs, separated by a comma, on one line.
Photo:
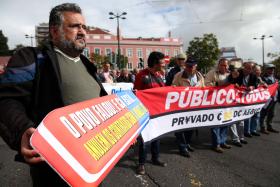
{"points": [[181, 81]]}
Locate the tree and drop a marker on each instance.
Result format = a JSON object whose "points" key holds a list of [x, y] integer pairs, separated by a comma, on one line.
{"points": [[276, 61], [97, 59], [205, 50], [4, 49]]}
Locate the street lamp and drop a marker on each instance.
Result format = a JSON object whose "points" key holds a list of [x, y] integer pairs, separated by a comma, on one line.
{"points": [[118, 16], [31, 38], [262, 39]]}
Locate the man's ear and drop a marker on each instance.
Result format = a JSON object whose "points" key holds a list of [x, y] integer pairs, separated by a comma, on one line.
{"points": [[54, 32]]}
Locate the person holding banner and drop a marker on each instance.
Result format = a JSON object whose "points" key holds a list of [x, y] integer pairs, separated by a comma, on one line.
{"points": [[268, 111], [247, 79], [146, 79], [219, 77], [190, 77], [255, 120], [179, 66], [39, 80]]}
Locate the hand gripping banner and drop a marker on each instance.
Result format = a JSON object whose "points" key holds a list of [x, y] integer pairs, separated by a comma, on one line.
{"points": [[84, 141], [178, 108]]}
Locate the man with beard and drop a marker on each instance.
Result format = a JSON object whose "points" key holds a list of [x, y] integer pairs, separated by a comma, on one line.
{"points": [[39, 80]]}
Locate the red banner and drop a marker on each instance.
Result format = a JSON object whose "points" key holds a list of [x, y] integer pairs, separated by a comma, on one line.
{"points": [[177, 108]]}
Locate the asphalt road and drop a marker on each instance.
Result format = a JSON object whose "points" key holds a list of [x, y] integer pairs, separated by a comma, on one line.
{"points": [[256, 164]]}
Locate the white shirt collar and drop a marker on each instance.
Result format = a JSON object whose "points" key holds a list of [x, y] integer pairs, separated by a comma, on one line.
{"points": [[76, 59]]}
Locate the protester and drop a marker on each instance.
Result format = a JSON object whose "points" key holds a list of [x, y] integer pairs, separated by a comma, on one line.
{"points": [[249, 80], [219, 77], [255, 120], [190, 77], [134, 73], [236, 129], [268, 110], [179, 66], [124, 76], [106, 76], [145, 79], [2, 69], [52, 76]]}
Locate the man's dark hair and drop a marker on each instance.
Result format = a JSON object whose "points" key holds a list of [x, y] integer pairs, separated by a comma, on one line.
{"points": [[222, 60], [56, 14], [154, 58]]}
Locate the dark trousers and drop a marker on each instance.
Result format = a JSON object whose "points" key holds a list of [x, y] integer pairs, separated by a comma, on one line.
{"points": [[143, 150], [183, 139], [269, 114], [44, 176]]}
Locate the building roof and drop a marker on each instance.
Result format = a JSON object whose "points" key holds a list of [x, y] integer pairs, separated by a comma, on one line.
{"points": [[96, 30], [143, 39], [4, 60]]}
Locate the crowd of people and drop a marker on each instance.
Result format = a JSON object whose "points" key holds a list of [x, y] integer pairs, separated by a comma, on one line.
{"points": [[185, 73], [39, 80], [106, 75]]}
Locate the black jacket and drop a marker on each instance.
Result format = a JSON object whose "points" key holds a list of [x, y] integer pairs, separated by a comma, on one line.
{"points": [[239, 80], [171, 74], [30, 89]]}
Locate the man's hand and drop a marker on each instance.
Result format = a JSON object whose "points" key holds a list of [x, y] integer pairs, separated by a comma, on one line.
{"points": [[30, 155]]}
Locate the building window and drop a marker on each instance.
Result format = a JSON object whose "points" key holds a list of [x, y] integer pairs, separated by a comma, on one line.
{"points": [[86, 52], [97, 51], [167, 52], [176, 52], [107, 37], [129, 52], [139, 53], [108, 51], [96, 37], [129, 65]]}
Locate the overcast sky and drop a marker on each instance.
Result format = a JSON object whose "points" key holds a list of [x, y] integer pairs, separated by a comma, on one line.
{"points": [[234, 22]]}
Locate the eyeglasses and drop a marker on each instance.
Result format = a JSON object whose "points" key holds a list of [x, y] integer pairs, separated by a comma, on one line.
{"points": [[181, 59]]}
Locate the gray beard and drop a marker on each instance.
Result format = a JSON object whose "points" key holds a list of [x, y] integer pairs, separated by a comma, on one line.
{"points": [[70, 48]]}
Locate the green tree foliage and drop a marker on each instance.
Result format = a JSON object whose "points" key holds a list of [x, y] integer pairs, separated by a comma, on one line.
{"points": [[97, 59], [4, 49], [276, 61], [205, 50]]}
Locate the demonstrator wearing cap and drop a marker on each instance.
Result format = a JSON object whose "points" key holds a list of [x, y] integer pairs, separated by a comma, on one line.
{"points": [[268, 111], [179, 66], [190, 77]]}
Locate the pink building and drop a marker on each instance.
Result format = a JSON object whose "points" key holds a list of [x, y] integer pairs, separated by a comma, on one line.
{"points": [[104, 43]]}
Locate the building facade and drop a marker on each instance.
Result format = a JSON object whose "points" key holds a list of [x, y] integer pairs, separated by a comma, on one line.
{"points": [[228, 53], [41, 32], [137, 50]]}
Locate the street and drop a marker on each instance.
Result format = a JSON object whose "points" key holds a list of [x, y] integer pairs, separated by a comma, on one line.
{"points": [[255, 164]]}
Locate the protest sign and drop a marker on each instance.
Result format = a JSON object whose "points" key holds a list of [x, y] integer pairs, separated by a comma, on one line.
{"points": [[83, 141], [179, 108], [112, 88]]}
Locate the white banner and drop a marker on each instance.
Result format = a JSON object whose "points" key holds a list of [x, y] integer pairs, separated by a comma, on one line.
{"points": [[200, 118]]}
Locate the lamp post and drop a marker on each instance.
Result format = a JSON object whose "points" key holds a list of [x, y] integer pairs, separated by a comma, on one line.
{"points": [[262, 39], [31, 38], [118, 16]]}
